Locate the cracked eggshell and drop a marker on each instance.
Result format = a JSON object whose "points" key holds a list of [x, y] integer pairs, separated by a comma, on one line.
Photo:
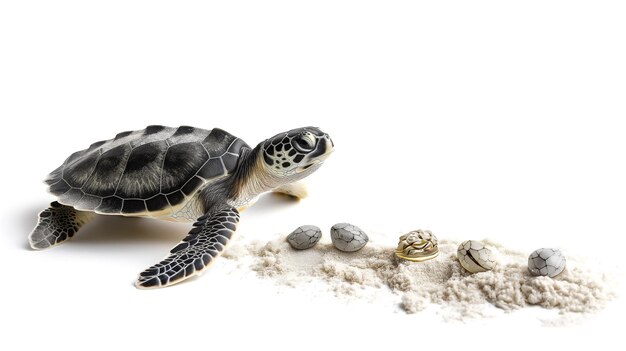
{"points": [[475, 257], [304, 237], [347, 237], [546, 262]]}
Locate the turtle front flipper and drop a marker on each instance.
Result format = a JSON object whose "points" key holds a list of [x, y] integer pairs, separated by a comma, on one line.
{"points": [[57, 224], [192, 255]]}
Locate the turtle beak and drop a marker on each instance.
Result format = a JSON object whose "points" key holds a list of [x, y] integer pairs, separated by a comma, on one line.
{"points": [[324, 148], [329, 145]]}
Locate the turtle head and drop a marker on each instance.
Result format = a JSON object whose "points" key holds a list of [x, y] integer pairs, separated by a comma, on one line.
{"points": [[295, 154], [285, 158]]}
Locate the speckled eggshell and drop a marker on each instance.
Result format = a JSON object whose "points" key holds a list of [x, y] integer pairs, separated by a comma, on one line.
{"points": [[347, 237], [546, 262], [304, 237], [475, 257]]}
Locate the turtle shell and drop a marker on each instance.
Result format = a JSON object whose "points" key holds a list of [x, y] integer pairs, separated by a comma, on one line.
{"points": [[148, 170]]}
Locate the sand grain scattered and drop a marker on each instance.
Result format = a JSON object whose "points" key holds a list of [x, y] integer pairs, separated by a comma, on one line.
{"points": [[441, 281]]}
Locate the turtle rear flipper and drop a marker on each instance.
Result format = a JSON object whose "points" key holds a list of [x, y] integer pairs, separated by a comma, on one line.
{"points": [[197, 250], [57, 224]]}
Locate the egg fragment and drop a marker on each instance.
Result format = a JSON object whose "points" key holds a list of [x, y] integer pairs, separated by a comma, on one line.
{"points": [[475, 257], [347, 237], [418, 245], [546, 262], [304, 237]]}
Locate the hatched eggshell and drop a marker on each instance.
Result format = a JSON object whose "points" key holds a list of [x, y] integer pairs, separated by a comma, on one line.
{"points": [[475, 257], [347, 237], [418, 245], [304, 237], [546, 262]]}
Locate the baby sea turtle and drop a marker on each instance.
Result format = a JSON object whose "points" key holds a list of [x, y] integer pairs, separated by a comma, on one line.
{"points": [[179, 174]]}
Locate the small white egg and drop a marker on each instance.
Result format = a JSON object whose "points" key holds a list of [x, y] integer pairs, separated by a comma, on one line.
{"points": [[546, 262], [304, 237], [347, 237], [475, 257]]}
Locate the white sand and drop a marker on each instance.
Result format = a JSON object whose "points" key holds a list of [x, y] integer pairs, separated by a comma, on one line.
{"points": [[442, 281]]}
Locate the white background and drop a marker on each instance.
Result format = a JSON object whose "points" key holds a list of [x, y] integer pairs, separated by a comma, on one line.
{"points": [[473, 119]]}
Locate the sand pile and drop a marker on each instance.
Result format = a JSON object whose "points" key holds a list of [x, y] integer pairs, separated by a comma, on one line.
{"points": [[441, 281]]}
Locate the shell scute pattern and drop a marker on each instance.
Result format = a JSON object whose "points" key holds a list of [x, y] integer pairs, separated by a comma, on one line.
{"points": [[182, 161], [88, 201], [110, 204], [213, 168], [156, 203], [82, 170], [142, 175], [218, 142], [105, 177], [122, 135], [147, 170]]}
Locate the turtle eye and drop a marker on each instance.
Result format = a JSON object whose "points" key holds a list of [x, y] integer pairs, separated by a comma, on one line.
{"points": [[304, 143]]}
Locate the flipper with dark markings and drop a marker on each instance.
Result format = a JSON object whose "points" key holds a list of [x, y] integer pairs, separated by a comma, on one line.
{"points": [[192, 255], [57, 224]]}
